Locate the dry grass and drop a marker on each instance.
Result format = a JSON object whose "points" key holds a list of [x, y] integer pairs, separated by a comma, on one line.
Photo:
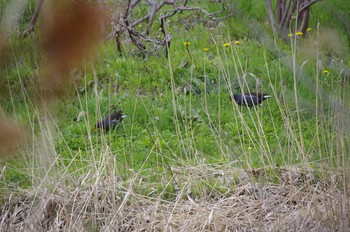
{"points": [[298, 202]]}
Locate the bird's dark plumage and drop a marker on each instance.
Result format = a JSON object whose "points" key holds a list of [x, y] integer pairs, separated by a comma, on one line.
{"points": [[250, 99], [110, 121]]}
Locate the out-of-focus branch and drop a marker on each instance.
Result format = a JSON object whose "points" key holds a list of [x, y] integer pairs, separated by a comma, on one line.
{"points": [[271, 16], [307, 5], [119, 28], [127, 22], [146, 17], [285, 13], [285, 9], [211, 16], [34, 18], [151, 16]]}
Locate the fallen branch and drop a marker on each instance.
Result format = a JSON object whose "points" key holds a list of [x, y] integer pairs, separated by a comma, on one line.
{"points": [[34, 18]]}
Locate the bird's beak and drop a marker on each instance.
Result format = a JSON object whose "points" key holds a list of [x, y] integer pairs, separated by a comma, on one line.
{"points": [[124, 116]]}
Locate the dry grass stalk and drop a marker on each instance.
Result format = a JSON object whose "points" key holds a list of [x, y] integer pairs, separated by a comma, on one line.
{"points": [[293, 205]]}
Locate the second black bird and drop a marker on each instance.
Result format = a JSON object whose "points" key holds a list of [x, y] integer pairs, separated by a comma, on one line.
{"points": [[111, 121], [250, 99]]}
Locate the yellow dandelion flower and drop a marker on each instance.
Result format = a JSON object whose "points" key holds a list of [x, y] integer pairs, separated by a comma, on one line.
{"points": [[325, 71], [237, 42], [227, 44], [298, 33], [309, 29], [205, 49], [250, 148], [290, 35], [187, 43]]}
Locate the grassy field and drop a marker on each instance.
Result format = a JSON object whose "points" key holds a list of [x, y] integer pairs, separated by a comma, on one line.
{"points": [[186, 158]]}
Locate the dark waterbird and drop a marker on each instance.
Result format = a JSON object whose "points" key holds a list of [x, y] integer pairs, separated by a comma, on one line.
{"points": [[250, 99], [110, 122]]}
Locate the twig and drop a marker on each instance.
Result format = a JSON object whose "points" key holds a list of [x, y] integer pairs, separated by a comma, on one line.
{"points": [[125, 22], [306, 5], [34, 18]]}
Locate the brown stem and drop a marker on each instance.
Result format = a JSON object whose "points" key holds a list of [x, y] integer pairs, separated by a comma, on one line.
{"points": [[285, 13], [151, 16], [305, 21], [271, 16], [307, 5], [34, 18], [279, 6]]}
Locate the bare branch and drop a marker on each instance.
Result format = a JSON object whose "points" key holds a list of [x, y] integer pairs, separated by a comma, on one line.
{"points": [[126, 22], [34, 18], [122, 21], [271, 16], [279, 9], [304, 20], [146, 17], [285, 9], [134, 3], [151, 16], [206, 13], [285, 13], [307, 5]]}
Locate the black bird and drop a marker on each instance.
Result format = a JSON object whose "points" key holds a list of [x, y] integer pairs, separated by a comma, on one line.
{"points": [[250, 99], [110, 121]]}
